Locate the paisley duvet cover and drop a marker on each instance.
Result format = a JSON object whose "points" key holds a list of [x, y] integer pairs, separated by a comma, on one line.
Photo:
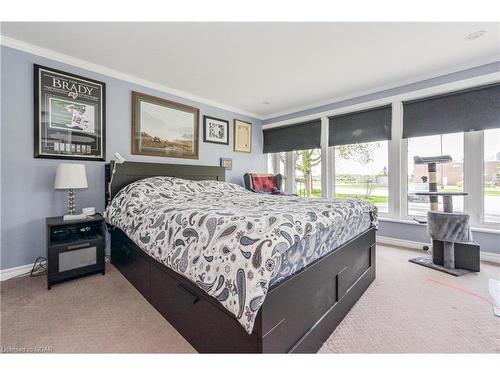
{"points": [[230, 242]]}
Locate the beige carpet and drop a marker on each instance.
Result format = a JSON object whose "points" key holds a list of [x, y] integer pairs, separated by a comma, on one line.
{"points": [[408, 308]]}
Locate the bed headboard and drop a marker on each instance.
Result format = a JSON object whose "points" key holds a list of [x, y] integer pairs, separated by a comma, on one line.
{"points": [[129, 172]]}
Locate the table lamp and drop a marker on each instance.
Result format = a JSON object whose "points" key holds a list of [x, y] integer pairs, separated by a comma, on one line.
{"points": [[71, 176]]}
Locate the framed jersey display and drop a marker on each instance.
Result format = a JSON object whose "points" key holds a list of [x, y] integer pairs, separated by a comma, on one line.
{"points": [[70, 121]]}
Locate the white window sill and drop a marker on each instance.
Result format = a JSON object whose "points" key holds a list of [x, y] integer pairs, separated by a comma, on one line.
{"points": [[411, 222]]}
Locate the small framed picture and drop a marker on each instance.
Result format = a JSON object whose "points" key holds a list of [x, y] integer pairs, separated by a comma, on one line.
{"points": [[226, 163], [215, 130], [242, 136]]}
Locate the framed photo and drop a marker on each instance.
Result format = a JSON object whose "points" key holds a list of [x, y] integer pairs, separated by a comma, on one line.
{"points": [[215, 130], [70, 120], [226, 163], [242, 136], [161, 127]]}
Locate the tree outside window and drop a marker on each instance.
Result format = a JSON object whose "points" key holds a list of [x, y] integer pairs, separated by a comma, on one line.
{"points": [[361, 171], [308, 173]]}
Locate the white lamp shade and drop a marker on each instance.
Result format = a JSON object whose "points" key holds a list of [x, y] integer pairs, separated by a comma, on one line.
{"points": [[70, 176]]}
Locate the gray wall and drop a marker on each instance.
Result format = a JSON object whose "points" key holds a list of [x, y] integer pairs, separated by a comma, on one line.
{"points": [[27, 194], [441, 80], [489, 242]]}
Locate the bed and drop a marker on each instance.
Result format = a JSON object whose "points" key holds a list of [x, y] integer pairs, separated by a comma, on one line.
{"points": [[235, 271]]}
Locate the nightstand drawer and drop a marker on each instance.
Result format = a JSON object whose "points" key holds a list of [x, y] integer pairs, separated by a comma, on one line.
{"points": [[75, 253], [84, 255], [67, 261]]}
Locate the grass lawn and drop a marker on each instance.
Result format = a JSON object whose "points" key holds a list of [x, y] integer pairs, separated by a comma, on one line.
{"points": [[358, 185], [492, 191], [316, 193], [375, 199], [354, 184], [489, 191]]}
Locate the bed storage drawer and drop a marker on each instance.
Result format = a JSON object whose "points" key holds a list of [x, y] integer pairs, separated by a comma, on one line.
{"points": [[292, 309], [134, 265], [298, 315], [182, 304]]}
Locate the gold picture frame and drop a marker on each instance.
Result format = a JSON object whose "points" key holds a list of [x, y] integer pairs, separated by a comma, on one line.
{"points": [[162, 127], [242, 136]]}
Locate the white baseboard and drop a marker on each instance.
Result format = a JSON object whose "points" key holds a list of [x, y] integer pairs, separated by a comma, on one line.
{"points": [[490, 257], [9, 273], [485, 256], [402, 243]]}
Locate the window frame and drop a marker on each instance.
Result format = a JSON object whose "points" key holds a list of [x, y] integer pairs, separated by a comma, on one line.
{"points": [[477, 172], [398, 155], [294, 155], [404, 180], [398, 174], [390, 205]]}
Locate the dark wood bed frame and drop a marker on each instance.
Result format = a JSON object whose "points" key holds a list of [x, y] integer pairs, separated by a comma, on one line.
{"points": [[298, 314]]}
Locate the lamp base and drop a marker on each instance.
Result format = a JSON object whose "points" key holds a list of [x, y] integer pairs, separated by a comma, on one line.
{"points": [[74, 217], [71, 201]]}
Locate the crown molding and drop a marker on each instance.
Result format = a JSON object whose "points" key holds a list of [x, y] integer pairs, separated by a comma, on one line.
{"points": [[409, 95], [394, 85], [83, 64]]}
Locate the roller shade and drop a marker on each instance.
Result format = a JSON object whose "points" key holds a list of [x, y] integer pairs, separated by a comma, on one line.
{"points": [[303, 136], [359, 127], [460, 111]]}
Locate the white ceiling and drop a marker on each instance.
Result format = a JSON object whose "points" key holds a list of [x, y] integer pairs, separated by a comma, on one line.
{"points": [[289, 65]]}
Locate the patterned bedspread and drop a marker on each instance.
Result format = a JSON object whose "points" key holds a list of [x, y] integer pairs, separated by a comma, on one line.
{"points": [[318, 244], [227, 240]]}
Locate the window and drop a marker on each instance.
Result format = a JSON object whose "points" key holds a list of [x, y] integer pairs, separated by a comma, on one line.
{"points": [[361, 171], [449, 176], [492, 175], [281, 169], [281, 164], [308, 173], [277, 160], [364, 149], [270, 168]]}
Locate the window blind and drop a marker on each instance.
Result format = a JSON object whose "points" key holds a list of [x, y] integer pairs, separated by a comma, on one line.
{"points": [[303, 136], [359, 127], [472, 109]]}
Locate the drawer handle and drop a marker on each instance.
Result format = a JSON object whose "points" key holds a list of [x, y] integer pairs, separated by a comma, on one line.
{"points": [[187, 293], [79, 246]]}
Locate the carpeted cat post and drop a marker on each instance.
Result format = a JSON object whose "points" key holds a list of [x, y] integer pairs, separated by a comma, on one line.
{"points": [[453, 250]]}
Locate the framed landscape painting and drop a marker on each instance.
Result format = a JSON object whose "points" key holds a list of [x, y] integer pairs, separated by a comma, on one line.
{"points": [[242, 136], [70, 121], [215, 130], [161, 127]]}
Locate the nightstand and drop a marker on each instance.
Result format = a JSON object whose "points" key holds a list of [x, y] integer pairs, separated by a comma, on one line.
{"points": [[75, 248]]}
